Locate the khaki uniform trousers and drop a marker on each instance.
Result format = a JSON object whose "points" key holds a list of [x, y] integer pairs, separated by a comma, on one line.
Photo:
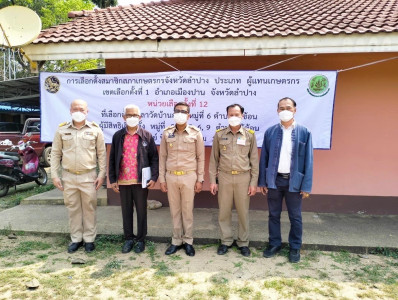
{"points": [[80, 197], [232, 189], [181, 193]]}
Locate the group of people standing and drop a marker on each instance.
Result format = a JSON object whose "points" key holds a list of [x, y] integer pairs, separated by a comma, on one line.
{"points": [[284, 171]]}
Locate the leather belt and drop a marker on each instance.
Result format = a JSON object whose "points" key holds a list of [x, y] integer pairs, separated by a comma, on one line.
{"points": [[79, 172], [179, 173], [284, 175]]}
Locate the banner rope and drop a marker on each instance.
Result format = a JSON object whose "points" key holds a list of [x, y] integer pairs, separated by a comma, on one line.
{"points": [[368, 64], [294, 57], [168, 64]]}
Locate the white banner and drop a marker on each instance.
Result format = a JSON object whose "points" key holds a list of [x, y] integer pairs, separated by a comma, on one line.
{"points": [[207, 92]]}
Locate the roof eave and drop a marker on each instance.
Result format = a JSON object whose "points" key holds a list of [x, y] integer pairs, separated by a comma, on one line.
{"points": [[254, 46]]}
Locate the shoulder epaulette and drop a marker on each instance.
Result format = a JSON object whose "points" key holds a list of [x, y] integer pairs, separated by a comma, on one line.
{"points": [[220, 129], [169, 127], [194, 127], [62, 124], [95, 124], [251, 131]]}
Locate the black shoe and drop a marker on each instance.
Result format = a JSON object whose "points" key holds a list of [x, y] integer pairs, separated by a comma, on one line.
{"points": [[128, 245], [189, 250], [245, 251], [294, 255], [172, 249], [222, 249], [139, 247], [89, 247], [271, 251], [74, 246]]}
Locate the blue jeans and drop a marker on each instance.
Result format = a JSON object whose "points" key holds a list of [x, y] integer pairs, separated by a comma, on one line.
{"points": [[293, 203]]}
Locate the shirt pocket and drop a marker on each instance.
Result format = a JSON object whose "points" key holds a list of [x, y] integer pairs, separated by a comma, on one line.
{"points": [[225, 145], [244, 150], [89, 141], [67, 141], [171, 143], [189, 143]]}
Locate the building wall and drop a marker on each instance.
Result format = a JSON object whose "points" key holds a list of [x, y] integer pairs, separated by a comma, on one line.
{"points": [[360, 172]]}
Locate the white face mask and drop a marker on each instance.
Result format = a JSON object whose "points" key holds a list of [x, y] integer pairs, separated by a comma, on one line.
{"points": [[132, 121], [234, 121], [180, 118], [286, 115], [78, 116]]}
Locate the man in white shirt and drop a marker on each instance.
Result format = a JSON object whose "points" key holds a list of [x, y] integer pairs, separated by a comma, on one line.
{"points": [[286, 172]]}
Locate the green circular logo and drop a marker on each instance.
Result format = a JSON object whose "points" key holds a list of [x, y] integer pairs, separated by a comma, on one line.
{"points": [[318, 85]]}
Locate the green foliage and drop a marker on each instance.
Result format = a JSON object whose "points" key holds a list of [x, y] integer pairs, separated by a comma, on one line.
{"points": [[72, 65], [105, 3], [162, 269], [108, 269], [110, 244], [345, 257], [151, 249], [14, 199], [376, 274], [28, 246], [52, 13], [385, 251]]}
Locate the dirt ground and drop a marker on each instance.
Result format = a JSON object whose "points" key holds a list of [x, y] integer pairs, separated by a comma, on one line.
{"points": [[109, 274]]}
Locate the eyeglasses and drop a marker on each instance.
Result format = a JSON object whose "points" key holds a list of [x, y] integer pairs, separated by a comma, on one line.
{"points": [[176, 111], [129, 116]]}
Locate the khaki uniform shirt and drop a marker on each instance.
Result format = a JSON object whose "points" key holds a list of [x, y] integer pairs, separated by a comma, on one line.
{"points": [[234, 152], [78, 149], [181, 151]]}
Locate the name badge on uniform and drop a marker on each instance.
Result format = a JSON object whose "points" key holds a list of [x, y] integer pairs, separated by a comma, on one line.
{"points": [[88, 133], [241, 141], [171, 135]]}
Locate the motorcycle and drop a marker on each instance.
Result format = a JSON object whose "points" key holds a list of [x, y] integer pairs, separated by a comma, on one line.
{"points": [[13, 172]]}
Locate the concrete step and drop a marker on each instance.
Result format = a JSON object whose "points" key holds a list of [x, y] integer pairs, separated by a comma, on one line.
{"points": [[352, 232], [55, 197]]}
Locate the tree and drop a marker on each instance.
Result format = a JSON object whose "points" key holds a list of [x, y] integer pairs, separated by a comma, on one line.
{"points": [[51, 13], [105, 3]]}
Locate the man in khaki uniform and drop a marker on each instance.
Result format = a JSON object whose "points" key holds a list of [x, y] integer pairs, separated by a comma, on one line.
{"points": [[181, 168], [234, 161], [79, 145]]}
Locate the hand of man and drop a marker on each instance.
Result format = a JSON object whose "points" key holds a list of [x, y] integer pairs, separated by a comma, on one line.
{"points": [[115, 187], [163, 187], [264, 190], [57, 183], [213, 188], [198, 187], [150, 184], [252, 190], [98, 182], [304, 195]]}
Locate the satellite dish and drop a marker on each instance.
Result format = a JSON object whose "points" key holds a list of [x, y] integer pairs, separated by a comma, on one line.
{"points": [[20, 26]]}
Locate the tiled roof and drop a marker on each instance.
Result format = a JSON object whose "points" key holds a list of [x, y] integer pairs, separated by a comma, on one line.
{"points": [[199, 19]]}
